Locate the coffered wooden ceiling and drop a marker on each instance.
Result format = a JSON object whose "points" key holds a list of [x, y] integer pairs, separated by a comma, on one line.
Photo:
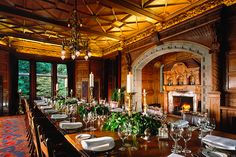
{"points": [[105, 22]]}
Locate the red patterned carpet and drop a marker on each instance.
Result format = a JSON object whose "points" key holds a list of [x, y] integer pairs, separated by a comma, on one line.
{"points": [[13, 142]]}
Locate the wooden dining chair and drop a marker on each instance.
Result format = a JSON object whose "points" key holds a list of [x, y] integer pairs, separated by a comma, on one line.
{"points": [[45, 144]]}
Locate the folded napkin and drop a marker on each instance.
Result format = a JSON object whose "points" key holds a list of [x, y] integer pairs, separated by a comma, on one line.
{"points": [[220, 142], [50, 111], [70, 125], [175, 155], [58, 116], [181, 123], [98, 144], [45, 107], [40, 103]]}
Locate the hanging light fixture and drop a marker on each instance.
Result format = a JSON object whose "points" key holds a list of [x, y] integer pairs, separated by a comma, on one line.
{"points": [[76, 45]]}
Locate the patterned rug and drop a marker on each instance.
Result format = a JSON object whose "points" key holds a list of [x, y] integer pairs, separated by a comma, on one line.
{"points": [[13, 142]]}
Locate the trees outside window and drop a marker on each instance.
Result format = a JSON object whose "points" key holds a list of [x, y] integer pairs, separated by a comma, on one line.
{"points": [[24, 77], [61, 79], [44, 79]]}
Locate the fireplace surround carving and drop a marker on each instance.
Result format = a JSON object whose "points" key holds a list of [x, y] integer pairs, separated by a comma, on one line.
{"points": [[181, 81]]}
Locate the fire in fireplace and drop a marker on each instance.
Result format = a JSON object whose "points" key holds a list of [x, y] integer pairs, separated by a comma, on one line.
{"points": [[182, 104]]}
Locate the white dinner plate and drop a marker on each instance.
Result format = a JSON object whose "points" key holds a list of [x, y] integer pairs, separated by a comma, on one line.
{"points": [[216, 146], [209, 153], [58, 116], [82, 136]]}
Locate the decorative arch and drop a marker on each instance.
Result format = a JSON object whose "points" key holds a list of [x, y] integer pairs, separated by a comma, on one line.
{"points": [[169, 47]]}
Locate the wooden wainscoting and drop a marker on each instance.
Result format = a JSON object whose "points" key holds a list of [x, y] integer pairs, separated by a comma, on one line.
{"points": [[228, 118]]}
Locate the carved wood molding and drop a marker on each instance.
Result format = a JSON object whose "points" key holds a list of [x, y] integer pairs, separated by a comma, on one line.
{"points": [[210, 4]]}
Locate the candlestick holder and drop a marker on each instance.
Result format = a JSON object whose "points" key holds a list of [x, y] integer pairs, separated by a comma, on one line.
{"points": [[145, 102], [130, 100], [71, 93], [91, 94]]}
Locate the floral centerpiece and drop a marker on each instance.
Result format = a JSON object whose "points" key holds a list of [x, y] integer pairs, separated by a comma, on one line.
{"points": [[138, 121], [98, 108]]}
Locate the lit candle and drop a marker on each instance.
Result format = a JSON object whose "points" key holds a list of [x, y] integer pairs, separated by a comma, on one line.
{"points": [[91, 80], [19, 91], [118, 90], [129, 87], [66, 83], [144, 91], [56, 86]]}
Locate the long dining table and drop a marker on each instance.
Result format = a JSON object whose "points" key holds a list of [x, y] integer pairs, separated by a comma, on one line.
{"points": [[153, 147]]}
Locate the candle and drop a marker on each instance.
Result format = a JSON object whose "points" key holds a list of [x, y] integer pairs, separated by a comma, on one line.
{"points": [[56, 86], [129, 87], [66, 83], [91, 80], [144, 91], [71, 91], [20, 91], [118, 90]]}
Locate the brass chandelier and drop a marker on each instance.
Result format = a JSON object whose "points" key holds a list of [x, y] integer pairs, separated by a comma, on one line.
{"points": [[76, 45]]}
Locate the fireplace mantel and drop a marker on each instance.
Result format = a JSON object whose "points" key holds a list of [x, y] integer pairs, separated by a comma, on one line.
{"points": [[183, 88]]}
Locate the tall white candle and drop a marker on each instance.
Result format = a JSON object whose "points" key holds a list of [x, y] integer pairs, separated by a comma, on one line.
{"points": [[144, 91], [129, 85], [56, 86], [91, 80], [66, 83]]}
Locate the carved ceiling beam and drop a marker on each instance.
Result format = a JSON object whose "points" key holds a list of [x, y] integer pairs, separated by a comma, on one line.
{"points": [[29, 37], [163, 5], [131, 8], [6, 10]]}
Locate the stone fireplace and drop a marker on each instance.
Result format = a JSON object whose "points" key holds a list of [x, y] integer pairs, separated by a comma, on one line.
{"points": [[182, 89], [182, 101]]}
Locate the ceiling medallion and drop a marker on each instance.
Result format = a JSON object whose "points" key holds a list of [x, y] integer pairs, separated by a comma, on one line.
{"points": [[77, 44]]}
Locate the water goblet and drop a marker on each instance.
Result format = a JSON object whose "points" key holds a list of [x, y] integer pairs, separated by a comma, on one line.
{"points": [[123, 135], [201, 123], [86, 120], [93, 119], [211, 125], [175, 134], [186, 135]]}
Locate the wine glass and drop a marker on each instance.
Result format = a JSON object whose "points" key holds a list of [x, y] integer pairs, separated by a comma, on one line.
{"points": [[201, 123], [86, 120], [135, 132], [123, 135], [186, 135], [93, 119], [211, 124], [175, 134]]}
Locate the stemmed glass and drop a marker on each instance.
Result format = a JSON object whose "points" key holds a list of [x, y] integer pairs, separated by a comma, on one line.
{"points": [[123, 135], [211, 124], [93, 119], [186, 135], [202, 123], [86, 120], [134, 132], [175, 134]]}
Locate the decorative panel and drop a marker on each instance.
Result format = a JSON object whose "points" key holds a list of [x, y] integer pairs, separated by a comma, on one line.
{"points": [[232, 80]]}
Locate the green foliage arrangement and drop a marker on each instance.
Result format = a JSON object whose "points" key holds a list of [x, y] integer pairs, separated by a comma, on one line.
{"points": [[116, 97], [138, 121], [70, 101], [86, 108], [101, 109]]}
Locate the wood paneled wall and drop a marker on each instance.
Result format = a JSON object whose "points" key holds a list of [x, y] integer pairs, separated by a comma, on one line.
{"points": [[4, 72], [82, 70], [228, 113]]}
